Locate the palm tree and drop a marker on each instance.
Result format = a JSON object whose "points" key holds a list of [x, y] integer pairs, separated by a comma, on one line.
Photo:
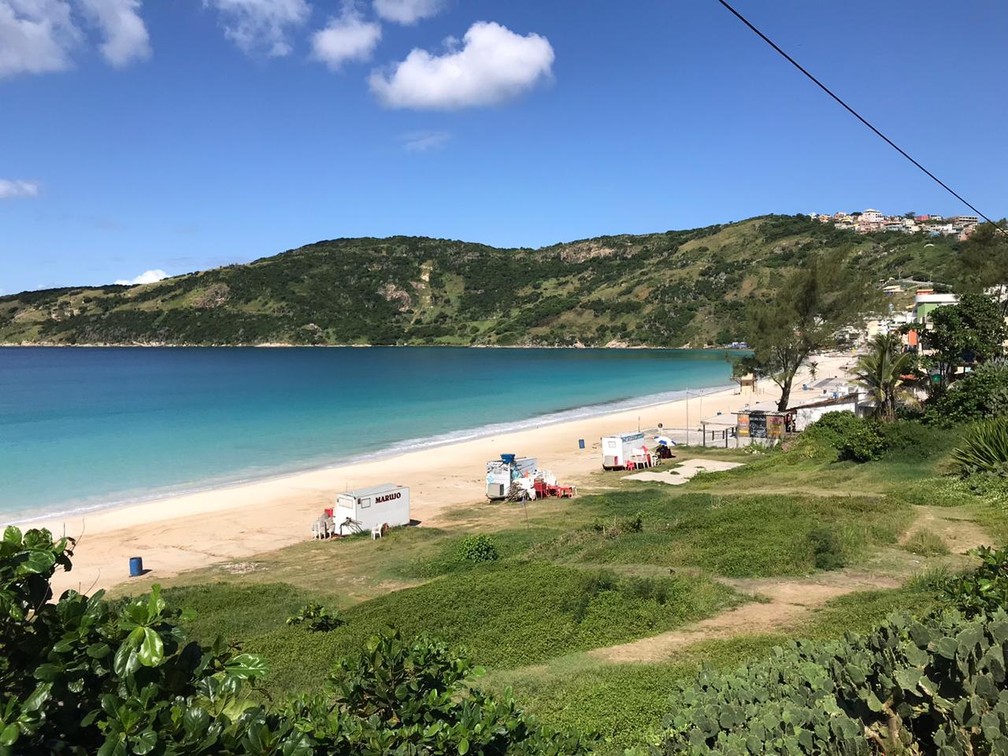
{"points": [[882, 372]]}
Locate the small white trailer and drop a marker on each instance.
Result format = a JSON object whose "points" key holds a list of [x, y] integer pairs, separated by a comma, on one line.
{"points": [[618, 450], [363, 509], [501, 473]]}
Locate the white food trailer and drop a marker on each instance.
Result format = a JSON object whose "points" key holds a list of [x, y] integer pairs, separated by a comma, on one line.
{"points": [[361, 510], [618, 450], [501, 473]]}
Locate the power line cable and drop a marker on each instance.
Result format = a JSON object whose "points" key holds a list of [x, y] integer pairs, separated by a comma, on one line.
{"points": [[851, 110]]}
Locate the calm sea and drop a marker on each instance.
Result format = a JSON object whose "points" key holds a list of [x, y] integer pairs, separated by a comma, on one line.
{"points": [[82, 428]]}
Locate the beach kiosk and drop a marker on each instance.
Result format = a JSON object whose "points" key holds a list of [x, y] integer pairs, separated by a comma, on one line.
{"points": [[760, 424], [364, 509], [624, 448], [501, 473]]}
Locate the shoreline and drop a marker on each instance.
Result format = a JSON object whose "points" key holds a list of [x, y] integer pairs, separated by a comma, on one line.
{"points": [[406, 446], [235, 523]]}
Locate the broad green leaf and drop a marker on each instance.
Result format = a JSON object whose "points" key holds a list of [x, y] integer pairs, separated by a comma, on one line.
{"points": [[12, 535], [151, 651], [38, 562], [9, 735], [145, 742]]}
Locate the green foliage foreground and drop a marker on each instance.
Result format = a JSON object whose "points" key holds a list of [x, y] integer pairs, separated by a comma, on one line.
{"points": [[984, 448], [84, 675], [935, 686]]}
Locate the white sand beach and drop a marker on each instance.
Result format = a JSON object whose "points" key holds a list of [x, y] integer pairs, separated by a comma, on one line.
{"points": [[195, 530]]}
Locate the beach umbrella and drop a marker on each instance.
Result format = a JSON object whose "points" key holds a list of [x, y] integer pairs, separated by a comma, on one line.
{"points": [[664, 440]]}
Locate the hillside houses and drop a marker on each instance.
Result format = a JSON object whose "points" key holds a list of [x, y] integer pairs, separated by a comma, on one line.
{"points": [[872, 221]]}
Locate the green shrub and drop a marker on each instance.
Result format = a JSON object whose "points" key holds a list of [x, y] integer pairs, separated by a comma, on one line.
{"points": [[977, 396], [827, 551], [855, 439], [933, 580], [910, 441], [984, 449], [935, 686], [985, 589], [317, 618], [478, 548]]}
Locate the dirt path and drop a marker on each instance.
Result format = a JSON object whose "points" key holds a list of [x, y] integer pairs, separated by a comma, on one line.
{"points": [[957, 528], [784, 604]]}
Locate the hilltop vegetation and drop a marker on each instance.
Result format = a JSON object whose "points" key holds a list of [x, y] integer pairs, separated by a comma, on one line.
{"points": [[665, 289]]}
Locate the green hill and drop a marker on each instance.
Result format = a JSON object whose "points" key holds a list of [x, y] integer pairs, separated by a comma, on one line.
{"points": [[665, 289]]}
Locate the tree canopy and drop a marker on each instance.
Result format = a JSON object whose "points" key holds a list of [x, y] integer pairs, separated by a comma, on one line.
{"points": [[971, 332], [882, 370], [812, 305], [982, 262]]}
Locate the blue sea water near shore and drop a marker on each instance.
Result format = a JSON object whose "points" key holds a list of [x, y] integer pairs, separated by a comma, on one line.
{"points": [[93, 427]]}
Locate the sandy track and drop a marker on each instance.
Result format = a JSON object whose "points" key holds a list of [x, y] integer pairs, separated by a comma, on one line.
{"points": [[785, 603]]}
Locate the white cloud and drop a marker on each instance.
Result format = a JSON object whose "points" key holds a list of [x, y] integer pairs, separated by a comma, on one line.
{"points": [[346, 38], [11, 189], [493, 65], [36, 36], [148, 276], [261, 26], [422, 141], [126, 37], [407, 11]]}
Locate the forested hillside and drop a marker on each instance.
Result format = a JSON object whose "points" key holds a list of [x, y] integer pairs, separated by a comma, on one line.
{"points": [[664, 289]]}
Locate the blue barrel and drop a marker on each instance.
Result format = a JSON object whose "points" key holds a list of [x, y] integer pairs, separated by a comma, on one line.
{"points": [[580, 443], [136, 566]]}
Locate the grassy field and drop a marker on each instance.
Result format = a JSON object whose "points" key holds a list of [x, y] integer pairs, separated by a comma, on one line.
{"points": [[824, 547]]}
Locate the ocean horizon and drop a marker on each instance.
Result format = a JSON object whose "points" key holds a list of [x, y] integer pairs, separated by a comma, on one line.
{"points": [[85, 428]]}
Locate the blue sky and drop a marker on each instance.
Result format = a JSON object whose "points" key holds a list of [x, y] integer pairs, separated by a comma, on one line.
{"points": [[176, 135]]}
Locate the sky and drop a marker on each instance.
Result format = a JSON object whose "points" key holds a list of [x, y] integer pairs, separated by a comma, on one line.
{"points": [[143, 138]]}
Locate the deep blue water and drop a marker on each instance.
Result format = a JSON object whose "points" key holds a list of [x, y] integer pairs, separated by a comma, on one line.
{"points": [[83, 427]]}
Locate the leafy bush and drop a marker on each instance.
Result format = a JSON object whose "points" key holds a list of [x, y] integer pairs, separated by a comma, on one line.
{"points": [[909, 441], [984, 449], [478, 548], [854, 438], [934, 686], [317, 617], [827, 551], [985, 589], [977, 396], [83, 675]]}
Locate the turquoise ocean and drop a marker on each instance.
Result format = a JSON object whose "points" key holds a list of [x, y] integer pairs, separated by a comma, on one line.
{"points": [[83, 428]]}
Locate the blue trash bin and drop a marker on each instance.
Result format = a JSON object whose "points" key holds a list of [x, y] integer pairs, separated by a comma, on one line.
{"points": [[580, 443], [136, 566]]}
